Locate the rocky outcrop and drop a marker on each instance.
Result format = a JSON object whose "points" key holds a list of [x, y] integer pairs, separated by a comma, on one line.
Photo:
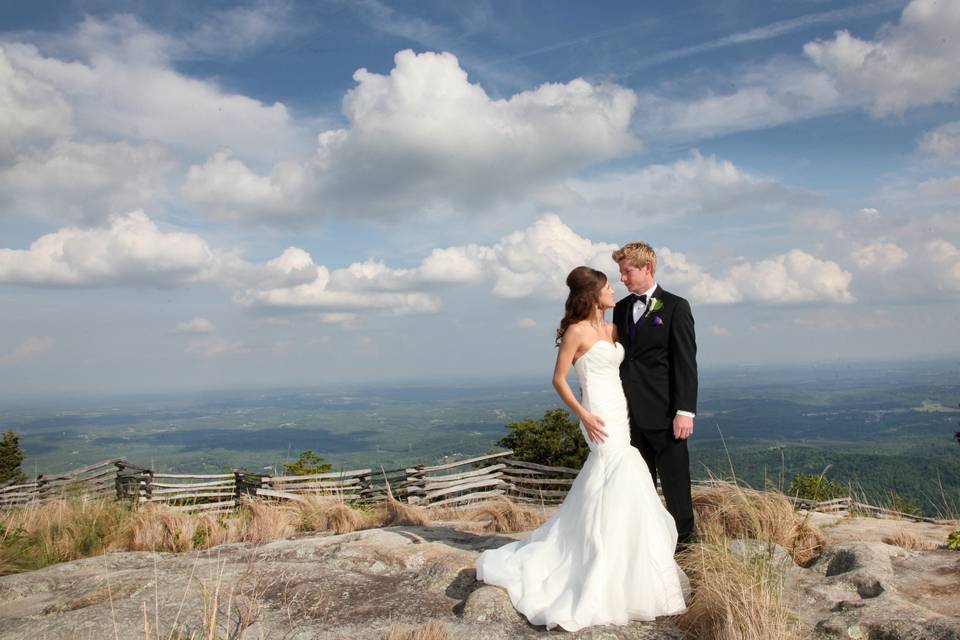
{"points": [[355, 586], [872, 590], [360, 585]]}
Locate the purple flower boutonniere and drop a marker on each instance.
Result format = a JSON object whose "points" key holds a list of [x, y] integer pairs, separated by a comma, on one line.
{"points": [[657, 321]]}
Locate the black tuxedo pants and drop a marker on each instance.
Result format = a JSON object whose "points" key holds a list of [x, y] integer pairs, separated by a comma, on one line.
{"points": [[668, 460]]}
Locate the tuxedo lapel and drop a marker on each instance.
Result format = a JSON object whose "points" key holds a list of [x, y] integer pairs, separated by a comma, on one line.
{"points": [[645, 323]]}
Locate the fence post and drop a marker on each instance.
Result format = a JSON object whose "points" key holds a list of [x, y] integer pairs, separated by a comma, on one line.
{"points": [[238, 486]]}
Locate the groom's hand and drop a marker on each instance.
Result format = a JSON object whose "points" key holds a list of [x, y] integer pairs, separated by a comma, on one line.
{"points": [[682, 427]]}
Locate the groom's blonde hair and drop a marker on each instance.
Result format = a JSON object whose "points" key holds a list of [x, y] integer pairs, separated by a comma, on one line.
{"points": [[639, 254]]}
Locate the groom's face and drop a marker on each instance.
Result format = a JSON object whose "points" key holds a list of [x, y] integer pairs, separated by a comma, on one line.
{"points": [[635, 279]]}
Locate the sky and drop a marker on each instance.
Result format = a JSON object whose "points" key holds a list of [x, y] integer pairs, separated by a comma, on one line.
{"points": [[278, 193]]}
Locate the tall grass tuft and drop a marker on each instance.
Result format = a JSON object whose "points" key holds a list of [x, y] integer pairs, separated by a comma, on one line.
{"points": [[329, 514], [502, 515], [737, 597], [38, 535], [908, 540], [725, 510], [262, 522]]}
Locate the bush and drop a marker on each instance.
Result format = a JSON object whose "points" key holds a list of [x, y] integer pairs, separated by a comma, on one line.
{"points": [[953, 541], [554, 440], [307, 464], [903, 505], [11, 455], [808, 486]]}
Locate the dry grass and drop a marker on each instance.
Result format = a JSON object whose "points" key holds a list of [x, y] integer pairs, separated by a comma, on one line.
{"points": [[739, 598], [735, 598], [330, 514], [393, 512], [502, 515], [39, 535], [908, 540], [726, 510], [433, 630]]}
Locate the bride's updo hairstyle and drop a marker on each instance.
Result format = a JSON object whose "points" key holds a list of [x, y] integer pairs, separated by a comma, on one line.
{"points": [[585, 285]]}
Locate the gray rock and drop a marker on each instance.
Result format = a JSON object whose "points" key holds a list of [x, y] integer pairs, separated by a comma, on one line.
{"points": [[873, 590], [320, 587]]}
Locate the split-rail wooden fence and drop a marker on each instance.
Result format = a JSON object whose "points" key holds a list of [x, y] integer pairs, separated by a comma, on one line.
{"points": [[451, 484]]}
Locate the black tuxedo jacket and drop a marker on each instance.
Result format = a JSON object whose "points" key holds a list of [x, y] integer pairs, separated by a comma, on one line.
{"points": [[659, 368]]}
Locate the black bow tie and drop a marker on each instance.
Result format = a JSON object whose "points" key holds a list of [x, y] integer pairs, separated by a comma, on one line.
{"points": [[642, 299]]}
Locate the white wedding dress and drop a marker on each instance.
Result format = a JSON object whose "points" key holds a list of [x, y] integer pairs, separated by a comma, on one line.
{"points": [[606, 556]]}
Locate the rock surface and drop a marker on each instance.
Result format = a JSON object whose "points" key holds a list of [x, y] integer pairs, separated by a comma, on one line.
{"points": [[872, 590], [360, 585], [357, 585]]}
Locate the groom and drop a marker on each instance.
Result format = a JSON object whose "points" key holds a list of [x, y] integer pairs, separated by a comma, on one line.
{"points": [[659, 375]]}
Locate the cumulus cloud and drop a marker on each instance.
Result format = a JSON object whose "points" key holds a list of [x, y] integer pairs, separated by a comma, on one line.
{"points": [[909, 64], [33, 110], [85, 181], [912, 63], [879, 256], [131, 251], [944, 257], [424, 137], [699, 184], [943, 141], [28, 350], [118, 80], [790, 278], [196, 325]]}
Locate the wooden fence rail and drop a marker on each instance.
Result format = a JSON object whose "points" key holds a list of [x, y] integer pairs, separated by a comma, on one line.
{"points": [[450, 484]]}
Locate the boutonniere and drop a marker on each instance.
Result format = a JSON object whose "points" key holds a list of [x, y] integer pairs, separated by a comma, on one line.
{"points": [[657, 321], [655, 305]]}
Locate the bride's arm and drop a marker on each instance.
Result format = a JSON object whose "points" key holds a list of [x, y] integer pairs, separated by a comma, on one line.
{"points": [[569, 346]]}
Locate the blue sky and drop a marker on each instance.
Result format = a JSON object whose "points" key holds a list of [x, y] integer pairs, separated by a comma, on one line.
{"points": [[305, 193]]}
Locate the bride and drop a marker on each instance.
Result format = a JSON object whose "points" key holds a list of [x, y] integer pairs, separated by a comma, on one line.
{"points": [[606, 555]]}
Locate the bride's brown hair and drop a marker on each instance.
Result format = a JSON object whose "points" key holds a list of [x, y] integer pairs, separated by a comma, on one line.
{"points": [[585, 285]]}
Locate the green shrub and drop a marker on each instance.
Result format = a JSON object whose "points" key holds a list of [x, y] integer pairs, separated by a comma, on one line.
{"points": [[808, 486], [307, 464], [953, 541], [554, 440]]}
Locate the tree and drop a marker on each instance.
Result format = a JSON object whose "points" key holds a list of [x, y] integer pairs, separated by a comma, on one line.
{"points": [[554, 440], [11, 455], [307, 464], [810, 486]]}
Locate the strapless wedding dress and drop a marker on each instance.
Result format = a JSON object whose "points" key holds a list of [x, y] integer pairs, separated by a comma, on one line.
{"points": [[606, 556]]}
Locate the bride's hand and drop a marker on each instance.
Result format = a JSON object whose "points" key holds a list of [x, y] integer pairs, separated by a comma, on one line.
{"points": [[594, 427]]}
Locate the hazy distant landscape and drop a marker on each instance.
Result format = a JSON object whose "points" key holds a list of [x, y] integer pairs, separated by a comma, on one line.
{"points": [[884, 427]]}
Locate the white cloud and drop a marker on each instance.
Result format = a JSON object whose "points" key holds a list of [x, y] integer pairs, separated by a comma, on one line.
{"points": [[789, 278], [940, 186], [909, 64], [912, 63], [424, 137], [945, 259], [700, 184], [33, 111], [943, 141], [117, 79], [196, 325], [870, 212], [526, 323], [85, 181], [879, 256], [719, 332], [132, 250], [27, 350]]}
